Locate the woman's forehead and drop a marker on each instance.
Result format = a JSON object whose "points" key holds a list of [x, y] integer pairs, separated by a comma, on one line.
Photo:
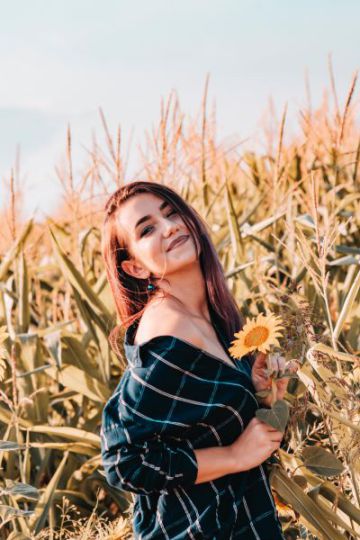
{"points": [[136, 208]]}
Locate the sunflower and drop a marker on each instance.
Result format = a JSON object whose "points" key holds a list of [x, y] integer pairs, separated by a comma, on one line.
{"points": [[258, 334]]}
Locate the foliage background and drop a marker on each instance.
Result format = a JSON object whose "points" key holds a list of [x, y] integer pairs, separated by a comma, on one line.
{"points": [[285, 223]]}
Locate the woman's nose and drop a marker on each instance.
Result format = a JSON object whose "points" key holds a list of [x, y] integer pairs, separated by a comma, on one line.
{"points": [[170, 228]]}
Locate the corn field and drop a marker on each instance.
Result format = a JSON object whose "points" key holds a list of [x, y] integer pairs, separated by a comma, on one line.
{"points": [[286, 225]]}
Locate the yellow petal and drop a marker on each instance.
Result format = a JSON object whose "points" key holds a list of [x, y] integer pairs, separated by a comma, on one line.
{"points": [[258, 334]]}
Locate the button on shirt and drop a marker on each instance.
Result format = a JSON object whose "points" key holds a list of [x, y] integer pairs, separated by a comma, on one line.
{"points": [[174, 398]]}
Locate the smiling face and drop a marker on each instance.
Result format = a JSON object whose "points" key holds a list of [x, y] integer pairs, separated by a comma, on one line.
{"points": [[148, 225]]}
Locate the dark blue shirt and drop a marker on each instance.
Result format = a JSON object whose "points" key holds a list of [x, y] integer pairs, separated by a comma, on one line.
{"points": [[173, 398]]}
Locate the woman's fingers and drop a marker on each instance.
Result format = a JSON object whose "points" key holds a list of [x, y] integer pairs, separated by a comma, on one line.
{"points": [[292, 365], [260, 360], [278, 364], [268, 428], [282, 364], [275, 435]]}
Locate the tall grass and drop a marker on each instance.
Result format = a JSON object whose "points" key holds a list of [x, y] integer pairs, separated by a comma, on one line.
{"points": [[285, 223]]}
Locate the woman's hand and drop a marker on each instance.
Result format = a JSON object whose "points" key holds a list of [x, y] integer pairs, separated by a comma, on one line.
{"points": [[254, 445], [262, 381]]}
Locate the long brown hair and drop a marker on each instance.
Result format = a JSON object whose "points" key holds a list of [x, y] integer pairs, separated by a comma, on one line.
{"points": [[131, 294]]}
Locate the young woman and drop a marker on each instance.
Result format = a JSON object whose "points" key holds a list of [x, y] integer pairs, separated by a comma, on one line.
{"points": [[180, 429]]}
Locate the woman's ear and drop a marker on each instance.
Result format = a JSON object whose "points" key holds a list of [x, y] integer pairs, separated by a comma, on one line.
{"points": [[134, 269]]}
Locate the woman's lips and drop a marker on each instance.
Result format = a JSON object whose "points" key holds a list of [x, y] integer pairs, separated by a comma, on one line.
{"points": [[179, 242]]}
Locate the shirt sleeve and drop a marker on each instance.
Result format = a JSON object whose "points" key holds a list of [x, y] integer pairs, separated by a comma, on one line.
{"points": [[149, 464], [136, 454]]}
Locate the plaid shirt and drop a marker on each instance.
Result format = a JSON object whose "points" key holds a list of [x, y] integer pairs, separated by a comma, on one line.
{"points": [[173, 398]]}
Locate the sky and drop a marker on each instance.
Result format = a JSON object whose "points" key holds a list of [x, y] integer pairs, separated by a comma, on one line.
{"points": [[62, 60]]}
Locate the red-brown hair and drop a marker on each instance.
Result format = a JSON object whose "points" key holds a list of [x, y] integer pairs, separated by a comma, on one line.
{"points": [[130, 293]]}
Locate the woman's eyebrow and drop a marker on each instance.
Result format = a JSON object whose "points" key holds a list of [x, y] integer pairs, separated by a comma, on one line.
{"points": [[147, 217]]}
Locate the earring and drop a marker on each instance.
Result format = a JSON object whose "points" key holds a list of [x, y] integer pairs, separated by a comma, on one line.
{"points": [[151, 287]]}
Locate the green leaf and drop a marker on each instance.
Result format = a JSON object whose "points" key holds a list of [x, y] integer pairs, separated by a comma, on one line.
{"points": [[354, 427], [321, 462], [347, 250], [306, 221], [250, 230], [76, 448], [6, 417], [19, 488], [300, 480], [277, 416], [15, 250], [37, 521], [23, 288], [234, 230], [80, 381], [321, 347], [8, 512], [70, 433], [10, 446], [290, 492], [80, 283], [347, 306], [17, 535], [343, 261]]}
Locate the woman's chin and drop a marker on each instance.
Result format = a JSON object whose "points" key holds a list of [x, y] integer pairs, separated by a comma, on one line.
{"points": [[183, 263]]}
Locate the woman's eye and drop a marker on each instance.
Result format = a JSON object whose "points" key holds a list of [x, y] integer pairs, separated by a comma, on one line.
{"points": [[144, 233]]}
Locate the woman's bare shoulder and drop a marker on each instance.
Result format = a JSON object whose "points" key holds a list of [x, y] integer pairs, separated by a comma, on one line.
{"points": [[163, 318]]}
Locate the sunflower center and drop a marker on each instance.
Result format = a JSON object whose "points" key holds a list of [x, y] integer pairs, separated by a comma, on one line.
{"points": [[256, 336]]}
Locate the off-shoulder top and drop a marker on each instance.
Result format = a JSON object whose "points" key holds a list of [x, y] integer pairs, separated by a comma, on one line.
{"points": [[174, 398]]}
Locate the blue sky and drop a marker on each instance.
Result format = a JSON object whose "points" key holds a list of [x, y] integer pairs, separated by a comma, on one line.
{"points": [[61, 61]]}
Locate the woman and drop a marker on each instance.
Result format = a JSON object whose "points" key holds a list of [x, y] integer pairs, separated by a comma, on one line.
{"points": [[180, 429]]}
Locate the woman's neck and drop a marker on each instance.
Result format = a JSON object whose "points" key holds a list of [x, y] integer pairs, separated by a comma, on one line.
{"points": [[188, 287]]}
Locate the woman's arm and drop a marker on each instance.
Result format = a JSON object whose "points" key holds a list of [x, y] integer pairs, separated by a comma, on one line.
{"points": [[146, 464], [251, 448], [214, 462], [137, 454], [158, 465]]}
